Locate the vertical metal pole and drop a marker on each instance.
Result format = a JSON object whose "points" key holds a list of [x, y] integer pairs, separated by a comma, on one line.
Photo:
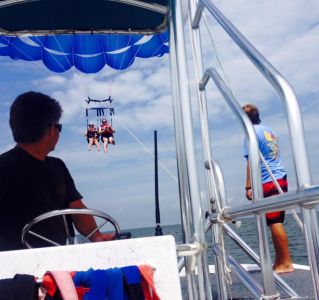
{"points": [[190, 163], [221, 183], [183, 184], [312, 238], [212, 188]]}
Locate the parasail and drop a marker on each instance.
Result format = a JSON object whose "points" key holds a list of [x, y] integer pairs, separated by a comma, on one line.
{"points": [[85, 34], [89, 53]]}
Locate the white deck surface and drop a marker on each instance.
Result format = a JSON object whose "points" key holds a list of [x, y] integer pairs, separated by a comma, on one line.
{"points": [[159, 252], [247, 267]]}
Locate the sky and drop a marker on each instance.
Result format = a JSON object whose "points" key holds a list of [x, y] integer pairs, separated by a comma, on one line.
{"points": [[121, 182]]}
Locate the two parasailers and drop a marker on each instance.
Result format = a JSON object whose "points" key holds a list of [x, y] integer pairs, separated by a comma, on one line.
{"points": [[105, 131]]}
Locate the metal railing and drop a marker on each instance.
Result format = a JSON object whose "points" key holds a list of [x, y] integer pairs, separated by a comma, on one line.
{"points": [[241, 273], [189, 192], [295, 126], [266, 267], [237, 239], [192, 218]]}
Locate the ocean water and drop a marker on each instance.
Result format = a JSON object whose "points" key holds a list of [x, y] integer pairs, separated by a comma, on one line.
{"points": [[248, 232]]}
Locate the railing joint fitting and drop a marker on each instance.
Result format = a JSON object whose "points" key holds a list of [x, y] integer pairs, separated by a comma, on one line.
{"points": [[222, 216], [275, 296], [191, 249]]}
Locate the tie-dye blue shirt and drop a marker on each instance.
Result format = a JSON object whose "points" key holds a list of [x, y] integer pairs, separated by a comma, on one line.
{"points": [[269, 148]]}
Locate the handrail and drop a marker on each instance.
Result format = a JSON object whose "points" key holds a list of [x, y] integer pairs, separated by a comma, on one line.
{"points": [[255, 257], [295, 126], [255, 173], [280, 84], [220, 180], [274, 203], [280, 191], [252, 285], [247, 126], [228, 213], [237, 239]]}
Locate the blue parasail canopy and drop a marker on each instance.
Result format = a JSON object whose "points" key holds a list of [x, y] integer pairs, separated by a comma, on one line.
{"points": [[89, 53]]}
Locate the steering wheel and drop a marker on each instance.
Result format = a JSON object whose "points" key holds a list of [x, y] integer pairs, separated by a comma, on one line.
{"points": [[64, 212]]}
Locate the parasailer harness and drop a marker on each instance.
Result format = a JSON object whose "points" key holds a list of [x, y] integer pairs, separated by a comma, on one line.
{"points": [[100, 111]]}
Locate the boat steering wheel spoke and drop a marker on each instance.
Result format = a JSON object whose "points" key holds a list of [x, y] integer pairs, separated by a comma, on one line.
{"points": [[64, 213]]}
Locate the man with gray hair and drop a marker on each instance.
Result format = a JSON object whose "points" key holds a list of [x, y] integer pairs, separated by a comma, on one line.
{"points": [[33, 183]]}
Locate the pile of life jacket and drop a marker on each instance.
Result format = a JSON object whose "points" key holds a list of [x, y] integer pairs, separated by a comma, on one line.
{"points": [[127, 283]]}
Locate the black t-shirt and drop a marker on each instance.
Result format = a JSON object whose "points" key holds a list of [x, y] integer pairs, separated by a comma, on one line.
{"points": [[30, 187]]}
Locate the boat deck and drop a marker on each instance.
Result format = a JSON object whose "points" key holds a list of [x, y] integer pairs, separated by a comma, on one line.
{"points": [[238, 291]]}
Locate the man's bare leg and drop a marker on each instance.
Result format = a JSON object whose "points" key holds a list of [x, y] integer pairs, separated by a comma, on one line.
{"points": [[283, 263], [105, 143], [90, 144], [97, 144]]}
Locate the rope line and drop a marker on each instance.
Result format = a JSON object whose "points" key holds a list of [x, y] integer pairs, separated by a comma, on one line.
{"points": [[37, 61], [227, 81], [147, 150], [58, 43]]}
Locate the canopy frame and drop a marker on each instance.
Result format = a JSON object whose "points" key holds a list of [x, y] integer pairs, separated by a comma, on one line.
{"points": [[19, 17]]}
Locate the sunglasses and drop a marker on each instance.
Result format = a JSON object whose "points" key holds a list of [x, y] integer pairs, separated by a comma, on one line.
{"points": [[58, 126]]}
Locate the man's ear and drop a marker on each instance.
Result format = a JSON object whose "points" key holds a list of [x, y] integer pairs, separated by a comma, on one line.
{"points": [[50, 131]]}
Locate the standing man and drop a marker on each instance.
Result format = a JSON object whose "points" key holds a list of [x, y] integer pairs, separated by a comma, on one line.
{"points": [[33, 183], [269, 148]]}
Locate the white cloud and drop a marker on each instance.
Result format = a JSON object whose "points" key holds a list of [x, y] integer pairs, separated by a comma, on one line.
{"points": [[121, 182]]}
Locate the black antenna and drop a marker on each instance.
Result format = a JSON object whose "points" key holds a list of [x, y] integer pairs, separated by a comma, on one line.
{"points": [[158, 229]]}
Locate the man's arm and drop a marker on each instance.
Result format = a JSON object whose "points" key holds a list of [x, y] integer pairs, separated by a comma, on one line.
{"points": [[85, 224], [249, 191]]}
